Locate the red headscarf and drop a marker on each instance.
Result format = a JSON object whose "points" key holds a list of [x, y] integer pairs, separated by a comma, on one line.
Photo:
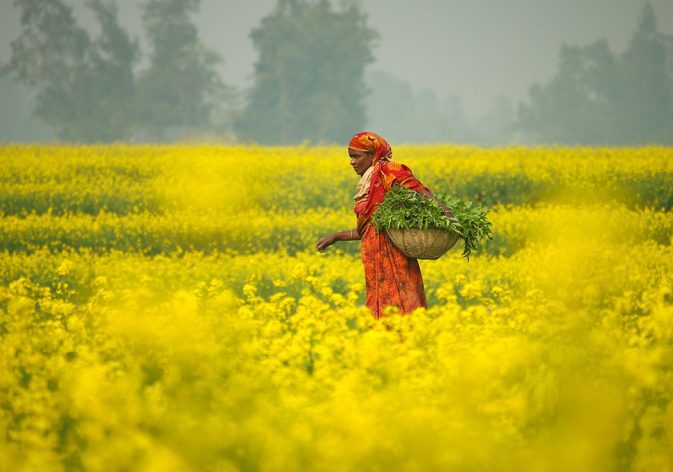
{"points": [[369, 141]]}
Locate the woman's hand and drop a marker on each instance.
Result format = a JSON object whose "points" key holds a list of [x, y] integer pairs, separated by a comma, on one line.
{"points": [[324, 242], [448, 214], [452, 219], [431, 196]]}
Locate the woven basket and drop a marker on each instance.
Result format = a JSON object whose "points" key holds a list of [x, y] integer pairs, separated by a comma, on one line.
{"points": [[429, 243]]}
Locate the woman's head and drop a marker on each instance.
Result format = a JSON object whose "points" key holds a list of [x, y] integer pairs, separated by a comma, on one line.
{"points": [[360, 160], [367, 148]]}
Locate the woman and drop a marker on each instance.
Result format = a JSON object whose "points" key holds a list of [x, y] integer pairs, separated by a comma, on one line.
{"points": [[391, 278]]}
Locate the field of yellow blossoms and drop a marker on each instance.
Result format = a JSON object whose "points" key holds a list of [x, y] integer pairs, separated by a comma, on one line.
{"points": [[164, 309]]}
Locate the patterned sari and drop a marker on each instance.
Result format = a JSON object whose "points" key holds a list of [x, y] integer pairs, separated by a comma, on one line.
{"points": [[391, 277]]}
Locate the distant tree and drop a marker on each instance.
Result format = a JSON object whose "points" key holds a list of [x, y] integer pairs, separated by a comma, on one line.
{"points": [[181, 87], [599, 98], [84, 86], [309, 77], [389, 106], [461, 129], [572, 107], [400, 115], [17, 122], [114, 58], [646, 101], [405, 116], [496, 126]]}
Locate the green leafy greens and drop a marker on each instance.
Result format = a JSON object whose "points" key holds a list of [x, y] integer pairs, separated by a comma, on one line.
{"points": [[403, 208]]}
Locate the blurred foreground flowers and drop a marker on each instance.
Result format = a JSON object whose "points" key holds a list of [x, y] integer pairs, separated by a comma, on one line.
{"points": [[162, 309]]}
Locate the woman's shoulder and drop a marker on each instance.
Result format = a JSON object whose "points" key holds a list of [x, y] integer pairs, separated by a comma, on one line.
{"points": [[400, 173], [393, 166]]}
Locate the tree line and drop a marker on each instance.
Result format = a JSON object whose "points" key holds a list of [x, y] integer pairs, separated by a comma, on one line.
{"points": [[599, 97], [311, 82], [89, 88]]}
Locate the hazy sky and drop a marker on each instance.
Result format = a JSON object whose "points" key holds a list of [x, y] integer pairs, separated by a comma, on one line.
{"points": [[476, 49]]}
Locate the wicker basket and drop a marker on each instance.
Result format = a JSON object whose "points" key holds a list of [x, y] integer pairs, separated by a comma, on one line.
{"points": [[423, 243]]}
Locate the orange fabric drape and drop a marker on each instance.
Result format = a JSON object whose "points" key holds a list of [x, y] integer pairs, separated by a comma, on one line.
{"points": [[391, 278]]}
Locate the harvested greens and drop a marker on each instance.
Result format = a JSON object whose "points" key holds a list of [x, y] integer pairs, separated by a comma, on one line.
{"points": [[403, 208]]}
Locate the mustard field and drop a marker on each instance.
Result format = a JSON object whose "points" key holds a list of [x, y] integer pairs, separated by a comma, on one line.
{"points": [[163, 308]]}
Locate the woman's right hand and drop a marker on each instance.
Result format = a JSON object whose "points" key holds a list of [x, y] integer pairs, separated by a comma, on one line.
{"points": [[324, 242]]}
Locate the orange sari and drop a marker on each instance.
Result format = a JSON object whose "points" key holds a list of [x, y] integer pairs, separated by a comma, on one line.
{"points": [[391, 278]]}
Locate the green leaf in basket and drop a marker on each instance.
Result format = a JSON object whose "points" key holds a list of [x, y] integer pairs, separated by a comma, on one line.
{"points": [[403, 208]]}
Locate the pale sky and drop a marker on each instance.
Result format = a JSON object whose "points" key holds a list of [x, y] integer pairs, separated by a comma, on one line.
{"points": [[476, 49]]}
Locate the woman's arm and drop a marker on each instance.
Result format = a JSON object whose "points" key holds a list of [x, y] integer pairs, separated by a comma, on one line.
{"points": [[403, 176], [431, 196], [324, 242]]}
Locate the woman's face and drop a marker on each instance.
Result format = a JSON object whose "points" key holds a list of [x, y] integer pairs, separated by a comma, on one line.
{"points": [[360, 160]]}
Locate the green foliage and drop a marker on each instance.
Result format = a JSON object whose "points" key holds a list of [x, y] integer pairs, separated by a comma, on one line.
{"points": [[309, 77], [404, 208]]}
